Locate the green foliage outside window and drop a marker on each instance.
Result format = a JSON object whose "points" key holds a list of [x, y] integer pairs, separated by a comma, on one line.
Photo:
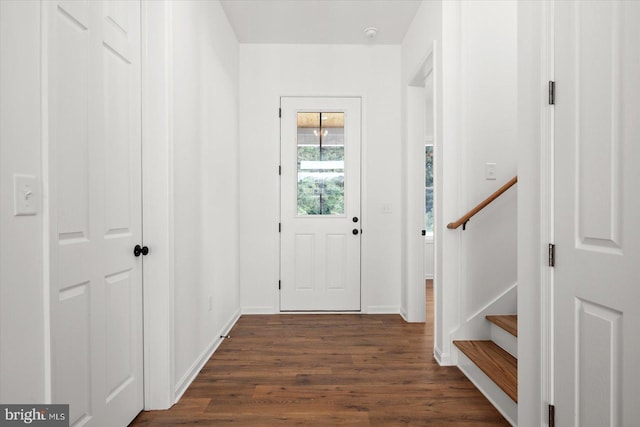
{"points": [[320, 191], [428, 189]]}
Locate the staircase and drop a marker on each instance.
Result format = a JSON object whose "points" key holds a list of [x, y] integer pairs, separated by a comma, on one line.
{"points": [[492, 365]]}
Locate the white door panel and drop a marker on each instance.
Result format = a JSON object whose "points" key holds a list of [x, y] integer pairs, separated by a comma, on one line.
{"points": [[597, 316], [93, 76], [320, 196]]}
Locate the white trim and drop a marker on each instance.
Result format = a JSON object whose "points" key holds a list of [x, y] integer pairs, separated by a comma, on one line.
{"points": [[382, 309], [487, 307], [169, 61], [476, 325], [443, 359], [260, 310], [195, 368], [157, 202], [547, 164], [46, 211], [535, 207]]}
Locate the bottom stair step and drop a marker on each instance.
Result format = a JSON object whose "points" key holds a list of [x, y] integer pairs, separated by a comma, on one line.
{"points": [[496, 363]]}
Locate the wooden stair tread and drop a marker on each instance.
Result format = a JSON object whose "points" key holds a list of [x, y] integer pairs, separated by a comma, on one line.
{"points": [[496, 363], [508, 322]]}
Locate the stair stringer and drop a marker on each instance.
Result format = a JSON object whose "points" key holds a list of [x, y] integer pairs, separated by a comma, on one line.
{"points": [[476, 327], [498, 398]]}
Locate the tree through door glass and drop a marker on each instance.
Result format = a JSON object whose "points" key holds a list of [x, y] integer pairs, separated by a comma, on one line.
{"points": [[320, 138]]}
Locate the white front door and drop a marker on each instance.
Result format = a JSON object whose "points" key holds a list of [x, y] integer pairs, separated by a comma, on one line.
{"points": [[94, 142], [320, 204], [597, 208]]}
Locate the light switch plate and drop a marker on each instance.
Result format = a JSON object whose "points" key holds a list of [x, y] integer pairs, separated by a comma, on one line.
{"points": [[25, 195], [490, 171]]}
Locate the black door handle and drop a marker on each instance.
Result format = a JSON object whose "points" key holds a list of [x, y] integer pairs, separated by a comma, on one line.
{"points": [[355, 231], [140, 250], [355, 219]]}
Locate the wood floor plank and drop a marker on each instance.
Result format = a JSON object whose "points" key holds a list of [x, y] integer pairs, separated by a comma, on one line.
{"points": [[499, 365], [508, 322], [328, 370]]}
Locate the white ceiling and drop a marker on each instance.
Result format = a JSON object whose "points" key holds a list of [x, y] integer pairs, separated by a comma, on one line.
{"points": [[320, 21]]}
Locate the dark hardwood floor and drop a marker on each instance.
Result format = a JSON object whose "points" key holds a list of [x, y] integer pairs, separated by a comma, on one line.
{"points": [[326, 370]]}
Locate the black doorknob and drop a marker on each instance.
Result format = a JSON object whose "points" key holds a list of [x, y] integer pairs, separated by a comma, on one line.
{"points": [[355, 231], [140, 250], [355, 219]]}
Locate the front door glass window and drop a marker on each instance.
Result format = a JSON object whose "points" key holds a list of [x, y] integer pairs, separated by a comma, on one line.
{"points": [[320, 139]]}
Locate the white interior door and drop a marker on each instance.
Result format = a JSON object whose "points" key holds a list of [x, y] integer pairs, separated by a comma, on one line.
{"points": [[597, 206], [93, 80], [320, 204]]}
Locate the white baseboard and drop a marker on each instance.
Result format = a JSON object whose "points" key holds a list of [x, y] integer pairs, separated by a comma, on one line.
{"points": [[199, 363], [382, 309], [443, 359], [428, 276], [259, 310]]}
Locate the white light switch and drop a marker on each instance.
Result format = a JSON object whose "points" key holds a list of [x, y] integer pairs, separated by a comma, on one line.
{"points": [[25, 195], [490, 171], [386, 208]]}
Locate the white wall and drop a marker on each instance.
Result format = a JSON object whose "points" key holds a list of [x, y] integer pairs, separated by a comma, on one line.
{"points": [[22, 297], [268, 72], [205, 182], [475, 123], [489, 123]]}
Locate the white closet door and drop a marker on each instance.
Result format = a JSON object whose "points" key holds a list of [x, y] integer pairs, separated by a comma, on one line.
{"points": [[92, 74]]}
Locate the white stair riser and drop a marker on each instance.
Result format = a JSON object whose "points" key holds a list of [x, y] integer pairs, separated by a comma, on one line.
{"points": [[498, 398], [504, 339]]}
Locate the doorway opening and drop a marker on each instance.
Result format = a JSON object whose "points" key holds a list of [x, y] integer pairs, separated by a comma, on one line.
{"points": [[422, 197]]}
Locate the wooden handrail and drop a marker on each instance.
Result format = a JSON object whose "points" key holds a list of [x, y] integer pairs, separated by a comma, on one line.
{"points": [[464, 219]]}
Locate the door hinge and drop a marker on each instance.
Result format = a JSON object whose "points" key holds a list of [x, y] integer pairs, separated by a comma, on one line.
{"points": [[552, 92], [552, 416], [279, 170], [279, 284], [552, 255], [280, 112], [279, 227]]}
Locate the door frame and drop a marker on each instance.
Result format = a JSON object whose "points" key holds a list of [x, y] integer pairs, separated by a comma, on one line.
{"points": [[362, 197], [535, 210], [157, 209], [414, 286]]}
